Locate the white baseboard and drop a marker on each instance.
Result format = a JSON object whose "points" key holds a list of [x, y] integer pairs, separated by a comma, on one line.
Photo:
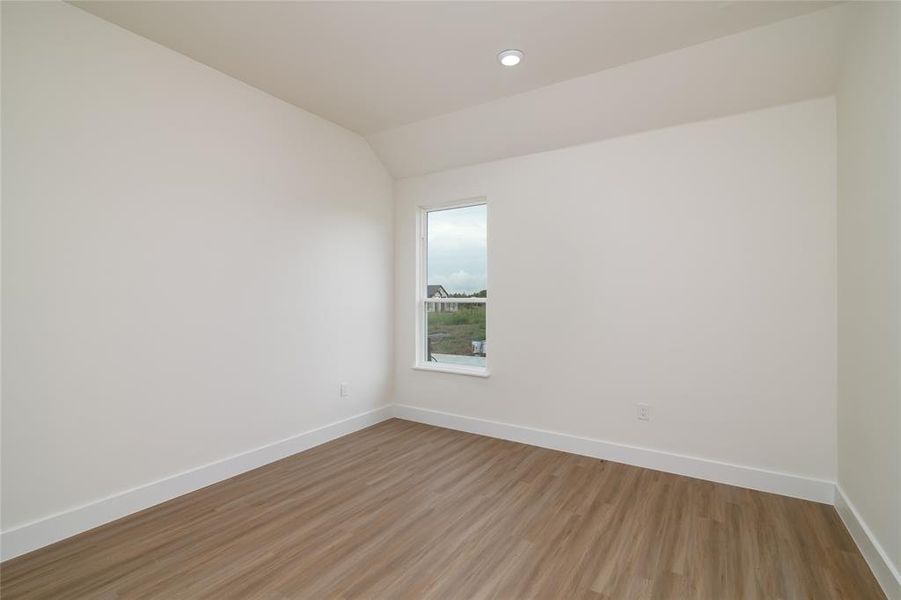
{"points": [[885, 572], [796, 486], [54, 528], [31, 536]]}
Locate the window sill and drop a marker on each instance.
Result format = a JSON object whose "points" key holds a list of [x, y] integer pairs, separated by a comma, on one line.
{"points": [[456, 370]]}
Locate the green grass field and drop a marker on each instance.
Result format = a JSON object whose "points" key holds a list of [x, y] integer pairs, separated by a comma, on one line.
{"points": [[454, 332]]}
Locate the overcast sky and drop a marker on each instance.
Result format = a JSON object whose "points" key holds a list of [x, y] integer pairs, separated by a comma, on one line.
{"points": [[457, 250]]}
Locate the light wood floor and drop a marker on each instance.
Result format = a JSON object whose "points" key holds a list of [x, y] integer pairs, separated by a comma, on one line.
{"points": [[404, 510]]}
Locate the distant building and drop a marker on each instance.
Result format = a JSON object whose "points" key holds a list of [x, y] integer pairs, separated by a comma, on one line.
{"points": [[438, 291]]}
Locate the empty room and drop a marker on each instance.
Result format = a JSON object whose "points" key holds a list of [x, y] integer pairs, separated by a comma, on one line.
{"points": [[450, 300]]}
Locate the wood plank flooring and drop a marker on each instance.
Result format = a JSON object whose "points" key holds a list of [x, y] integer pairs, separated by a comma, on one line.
{"points": [[404, 510]]}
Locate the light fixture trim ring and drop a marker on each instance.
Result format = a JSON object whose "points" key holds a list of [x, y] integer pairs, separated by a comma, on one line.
{"points": [[510, 57]]}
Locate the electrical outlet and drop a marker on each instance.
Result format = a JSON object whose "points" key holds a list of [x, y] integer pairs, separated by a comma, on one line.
{"points": [[644, 412], [345, 390]]}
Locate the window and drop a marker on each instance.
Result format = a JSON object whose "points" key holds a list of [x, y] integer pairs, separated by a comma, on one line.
{"points": [[453, 289]]}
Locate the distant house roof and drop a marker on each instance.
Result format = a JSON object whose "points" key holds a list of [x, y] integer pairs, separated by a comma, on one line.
{"points": [[436, 291]]}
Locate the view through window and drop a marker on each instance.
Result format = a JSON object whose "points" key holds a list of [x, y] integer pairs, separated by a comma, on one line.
{"points": [[456, 285]]}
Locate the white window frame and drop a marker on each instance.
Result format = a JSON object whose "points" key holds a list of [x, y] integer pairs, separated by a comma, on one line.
{"points": [[421, 327]]}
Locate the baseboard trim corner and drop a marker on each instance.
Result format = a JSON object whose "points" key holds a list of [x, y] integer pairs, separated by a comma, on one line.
{"points": [[796, 486], [883, 570], [48, 530]]}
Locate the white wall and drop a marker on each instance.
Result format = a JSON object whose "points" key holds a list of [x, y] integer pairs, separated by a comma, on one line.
{"points": [[692, 268], [190, 266], [869, 273]]}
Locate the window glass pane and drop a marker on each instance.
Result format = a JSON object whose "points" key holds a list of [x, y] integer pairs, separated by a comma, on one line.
{"points": [[455, 334], [457, 251], [457, 265]]}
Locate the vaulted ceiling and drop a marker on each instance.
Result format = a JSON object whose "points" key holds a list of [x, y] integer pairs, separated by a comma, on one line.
{"points": [[402, 73]]}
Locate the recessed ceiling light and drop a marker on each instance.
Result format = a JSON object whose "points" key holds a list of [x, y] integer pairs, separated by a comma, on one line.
{"points": [[510, 58]]}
